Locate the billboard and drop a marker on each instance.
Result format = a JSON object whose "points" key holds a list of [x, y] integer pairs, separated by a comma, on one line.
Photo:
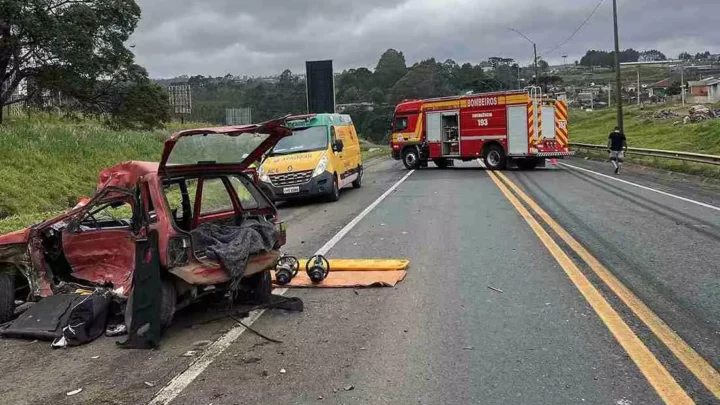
{"points": [[320, 86], [238, 116], [180, 99]]}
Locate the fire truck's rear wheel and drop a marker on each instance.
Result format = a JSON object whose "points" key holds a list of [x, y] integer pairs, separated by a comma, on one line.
{"points": [[411, 160], [494, 158], [526, 164]]}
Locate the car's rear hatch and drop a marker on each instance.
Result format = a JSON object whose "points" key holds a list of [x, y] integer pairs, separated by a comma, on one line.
{"points": [[227, 148]]}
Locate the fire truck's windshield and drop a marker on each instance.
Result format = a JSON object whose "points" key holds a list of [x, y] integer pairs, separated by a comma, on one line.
{"points": [[302, 140]]}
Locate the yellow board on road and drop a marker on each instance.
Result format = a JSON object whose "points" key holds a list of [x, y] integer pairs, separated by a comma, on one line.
{"points": [[363, 264]]}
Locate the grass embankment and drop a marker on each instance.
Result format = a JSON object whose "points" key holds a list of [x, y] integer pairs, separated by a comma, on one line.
{"points": [[47, 162], [644, 131]]}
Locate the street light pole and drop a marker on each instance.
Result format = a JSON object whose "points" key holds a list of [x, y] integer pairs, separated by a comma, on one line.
{"points": [[536, 64], [618, 78], [534, 52]]}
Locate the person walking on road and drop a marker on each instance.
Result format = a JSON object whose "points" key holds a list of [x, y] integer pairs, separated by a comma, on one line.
{"points": [[617, 143]]}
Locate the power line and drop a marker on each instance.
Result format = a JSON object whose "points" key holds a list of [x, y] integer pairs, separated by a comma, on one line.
{"points": [[578, 28]]}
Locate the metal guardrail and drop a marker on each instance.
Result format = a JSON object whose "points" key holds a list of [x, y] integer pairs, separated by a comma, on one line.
{"points": [[665, 154]]}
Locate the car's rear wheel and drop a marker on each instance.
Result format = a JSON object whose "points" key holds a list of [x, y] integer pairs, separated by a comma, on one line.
{"points": [[358, 182], [7, 296], [259, 287]]}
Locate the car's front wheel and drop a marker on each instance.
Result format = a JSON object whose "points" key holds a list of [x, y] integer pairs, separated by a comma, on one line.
{"points": [[335, 192]]}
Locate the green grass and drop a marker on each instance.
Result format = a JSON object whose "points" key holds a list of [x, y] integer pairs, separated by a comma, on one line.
{"points": [[643, 131]]}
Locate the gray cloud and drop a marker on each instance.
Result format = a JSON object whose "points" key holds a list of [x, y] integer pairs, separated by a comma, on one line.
{"points": [[216, 37]]}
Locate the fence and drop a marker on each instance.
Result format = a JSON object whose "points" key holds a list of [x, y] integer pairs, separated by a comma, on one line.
{"points": [[665, 154]]}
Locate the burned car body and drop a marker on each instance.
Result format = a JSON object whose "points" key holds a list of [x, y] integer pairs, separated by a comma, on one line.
{"points": [[203, 181]]}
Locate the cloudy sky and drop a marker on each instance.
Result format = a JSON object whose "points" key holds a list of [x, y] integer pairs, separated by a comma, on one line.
{"points": [[262, 37]]}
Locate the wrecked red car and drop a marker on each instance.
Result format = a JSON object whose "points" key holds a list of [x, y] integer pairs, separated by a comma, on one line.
{"points": [[201, 191]]}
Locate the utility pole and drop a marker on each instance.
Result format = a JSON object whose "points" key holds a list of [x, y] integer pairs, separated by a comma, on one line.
{"points": [[536, 64], [682, 83], [637, 93], [534, 52], [618, 78]]}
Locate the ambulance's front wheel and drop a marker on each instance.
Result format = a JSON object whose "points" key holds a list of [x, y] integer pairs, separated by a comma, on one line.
{"points": [[411, 158], [494, 157]]}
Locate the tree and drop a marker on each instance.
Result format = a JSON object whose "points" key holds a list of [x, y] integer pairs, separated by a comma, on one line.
{"points": [[140, 105], [424, 80], [652, 55], [685, 56], [80, 43], [674, 89], [390, 68], [543, 65], [377, 96]]}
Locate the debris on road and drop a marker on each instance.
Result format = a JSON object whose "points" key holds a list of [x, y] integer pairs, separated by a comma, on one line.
{"points": [[283, 371], [150, 383], [495, 289], [201, 343], [349, 387], [189, 353], [469, 348], [116, 330], [95, 357], [74, 392]]}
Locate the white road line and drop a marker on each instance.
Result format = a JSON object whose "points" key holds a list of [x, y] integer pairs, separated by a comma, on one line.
{"points": [[173, 388], [702, 204]]}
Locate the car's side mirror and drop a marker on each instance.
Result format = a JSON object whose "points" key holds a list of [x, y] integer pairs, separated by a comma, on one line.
{"points": [[338, 146]]}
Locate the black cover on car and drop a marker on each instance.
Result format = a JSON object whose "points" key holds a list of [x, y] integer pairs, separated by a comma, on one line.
{"points": [[233, 245]]}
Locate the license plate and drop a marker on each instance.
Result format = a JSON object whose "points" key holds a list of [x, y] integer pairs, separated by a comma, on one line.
{"points": [[291, 190]]}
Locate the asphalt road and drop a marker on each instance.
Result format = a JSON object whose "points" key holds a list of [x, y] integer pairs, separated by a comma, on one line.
{"points": [[443, 336]]}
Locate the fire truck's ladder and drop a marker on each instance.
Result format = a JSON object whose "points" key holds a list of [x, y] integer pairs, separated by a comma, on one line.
{"points": [[534, 115]]}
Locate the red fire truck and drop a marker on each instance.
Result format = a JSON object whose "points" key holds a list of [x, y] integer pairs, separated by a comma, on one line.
{"points": [[511, 128]]}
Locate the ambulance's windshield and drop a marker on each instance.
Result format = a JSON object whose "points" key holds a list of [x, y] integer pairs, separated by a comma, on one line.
{"points": [[302, 140]]}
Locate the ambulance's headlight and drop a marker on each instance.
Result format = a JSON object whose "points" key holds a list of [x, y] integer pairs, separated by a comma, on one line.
{"points": [[263, 176], [321, 166]]}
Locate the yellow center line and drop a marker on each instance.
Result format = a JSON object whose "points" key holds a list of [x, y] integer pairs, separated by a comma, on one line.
{"points": [[658, 376], [702, 370]]}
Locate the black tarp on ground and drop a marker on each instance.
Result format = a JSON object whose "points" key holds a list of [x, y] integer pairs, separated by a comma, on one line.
{"points": [[45, 319]]}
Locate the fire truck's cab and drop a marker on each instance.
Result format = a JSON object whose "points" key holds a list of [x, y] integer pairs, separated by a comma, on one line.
{"points": [[511, 128]]}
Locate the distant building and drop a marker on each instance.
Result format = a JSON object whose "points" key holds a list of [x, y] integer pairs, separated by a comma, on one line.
{"points": [[659, 89], [704, 91]]}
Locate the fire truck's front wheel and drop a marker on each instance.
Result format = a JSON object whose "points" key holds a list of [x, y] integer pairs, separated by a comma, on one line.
{"points": [[494, 157], [411, 159]]}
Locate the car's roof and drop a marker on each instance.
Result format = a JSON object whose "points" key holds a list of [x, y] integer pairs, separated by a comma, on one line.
{"points": [[126, 174]]}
